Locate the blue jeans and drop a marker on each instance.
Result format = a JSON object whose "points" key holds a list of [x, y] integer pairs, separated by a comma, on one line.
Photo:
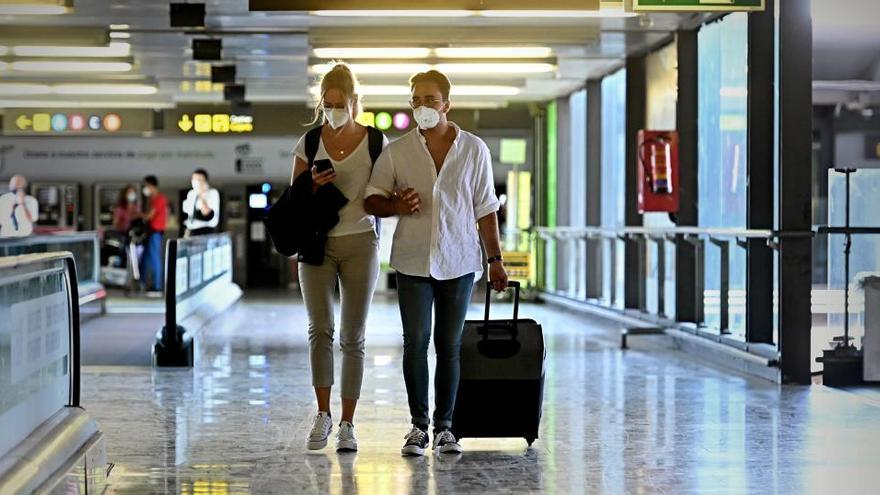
{"points": [[152, 271], [449, 299]]}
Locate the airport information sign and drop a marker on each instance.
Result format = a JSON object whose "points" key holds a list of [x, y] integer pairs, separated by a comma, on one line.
{"points": [[79, 122], [697, 5]]}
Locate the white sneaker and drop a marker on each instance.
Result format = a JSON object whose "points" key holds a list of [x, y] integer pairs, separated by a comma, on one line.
{"points": [[322, 425], [346, 441], [416, 442], [445, 443]]}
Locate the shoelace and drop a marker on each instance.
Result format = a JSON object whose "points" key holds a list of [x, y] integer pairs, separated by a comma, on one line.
{"points": [[415, 434], [445, 437], [346, 432], [319, 421]]}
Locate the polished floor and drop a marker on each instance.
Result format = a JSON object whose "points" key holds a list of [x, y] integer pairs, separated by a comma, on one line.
{"points": [[643, 421]]}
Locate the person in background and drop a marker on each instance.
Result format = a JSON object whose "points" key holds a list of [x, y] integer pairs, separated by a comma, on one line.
{"points": [[18, 210], [156, 217], [126, 209], [201, 208]]}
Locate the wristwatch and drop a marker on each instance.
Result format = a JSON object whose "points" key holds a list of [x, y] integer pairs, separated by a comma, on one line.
{"points": [[495, 259]]}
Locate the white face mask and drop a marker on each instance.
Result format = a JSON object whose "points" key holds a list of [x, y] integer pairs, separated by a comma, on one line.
{"points": [[336, 117], [196, 185], [132, 197], [426, 117], [146, 191]]}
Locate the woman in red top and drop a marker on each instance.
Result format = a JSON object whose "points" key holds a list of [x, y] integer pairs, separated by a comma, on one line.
{"points": [[126, 209]]}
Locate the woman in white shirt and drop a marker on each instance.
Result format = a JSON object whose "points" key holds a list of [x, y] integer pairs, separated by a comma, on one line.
{"points": [[351, 256], [201, 206]]}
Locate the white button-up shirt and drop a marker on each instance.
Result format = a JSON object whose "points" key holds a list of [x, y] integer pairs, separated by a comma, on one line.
{"points": [[441, 240]]}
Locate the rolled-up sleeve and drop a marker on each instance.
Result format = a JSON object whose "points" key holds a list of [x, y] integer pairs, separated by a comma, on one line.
{"points": [[382, 180], [485, 201]]}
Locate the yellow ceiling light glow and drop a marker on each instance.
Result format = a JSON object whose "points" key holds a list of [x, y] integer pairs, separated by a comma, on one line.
{"points": [[114, 49], [377, 52], [362, 69], [3, 50], [32, 8], [499, 68], [69, 66], [394, 13], [495, 52], [605, 13], [104, 89], [16, 89]]}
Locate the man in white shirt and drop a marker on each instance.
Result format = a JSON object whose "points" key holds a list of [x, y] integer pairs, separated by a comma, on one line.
{"points": [[438, 179], [18, 210], [201, 206]]}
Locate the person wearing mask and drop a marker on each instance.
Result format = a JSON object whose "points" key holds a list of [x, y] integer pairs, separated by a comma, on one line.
{"points": [[201, 207], [156, 217], [438, 179], [18, 210], [126, 209], [350, 254]]}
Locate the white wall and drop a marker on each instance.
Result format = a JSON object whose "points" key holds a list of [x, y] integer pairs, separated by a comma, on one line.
{"points": [[849, 151]]}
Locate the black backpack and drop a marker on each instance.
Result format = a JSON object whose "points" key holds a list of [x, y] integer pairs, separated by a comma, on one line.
{"points": [[375, 139]]}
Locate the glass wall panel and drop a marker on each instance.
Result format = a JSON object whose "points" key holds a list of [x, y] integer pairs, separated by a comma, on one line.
{"points": [[577, 185], [723, 124], [613, 182]]}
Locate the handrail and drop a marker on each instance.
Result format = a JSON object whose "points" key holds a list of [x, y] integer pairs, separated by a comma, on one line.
{"points": [[658, 232]]}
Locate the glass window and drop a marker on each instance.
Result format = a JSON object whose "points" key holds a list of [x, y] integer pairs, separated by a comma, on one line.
{"points": [[577, 185], [613, 182]]}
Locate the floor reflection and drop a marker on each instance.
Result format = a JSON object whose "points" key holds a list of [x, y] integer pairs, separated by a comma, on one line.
{"points": [[643, 421]]}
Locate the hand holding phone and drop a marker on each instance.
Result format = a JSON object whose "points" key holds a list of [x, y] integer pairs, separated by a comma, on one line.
{"points": [[323, 172], [323, 165]]}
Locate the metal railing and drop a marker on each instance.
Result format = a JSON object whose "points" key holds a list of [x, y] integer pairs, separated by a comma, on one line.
{"points": [[45, 431], [86, 251]]}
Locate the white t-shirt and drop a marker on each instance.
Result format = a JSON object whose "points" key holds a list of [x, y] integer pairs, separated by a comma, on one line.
{"points": [[352, 175], [16, 224], [441, 240], [192, 203]]}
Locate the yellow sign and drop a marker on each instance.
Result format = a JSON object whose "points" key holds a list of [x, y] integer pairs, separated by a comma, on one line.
{"points": [[185, 124], [42, 122], [218, 123], [23, 123]]}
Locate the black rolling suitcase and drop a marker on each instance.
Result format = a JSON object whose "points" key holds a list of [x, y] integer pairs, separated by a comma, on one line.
{"points": [[502, 377]]}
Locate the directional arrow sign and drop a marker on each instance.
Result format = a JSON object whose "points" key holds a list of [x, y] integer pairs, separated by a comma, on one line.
{"points": [[23, 122], [185, 123]]}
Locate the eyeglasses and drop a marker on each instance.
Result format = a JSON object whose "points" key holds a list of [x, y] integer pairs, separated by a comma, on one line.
{"points": [[430, 101]]}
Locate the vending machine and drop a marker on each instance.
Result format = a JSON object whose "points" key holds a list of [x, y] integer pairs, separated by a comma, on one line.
{"points": [[658, 171], [106, 195], [59, 206], [265, 267]]}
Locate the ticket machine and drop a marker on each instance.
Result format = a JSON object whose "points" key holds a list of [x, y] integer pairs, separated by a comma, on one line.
{"points": [[105, 198], [59, 205], [264, 264]]}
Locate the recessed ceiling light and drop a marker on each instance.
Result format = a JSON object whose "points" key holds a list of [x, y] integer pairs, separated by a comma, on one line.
{"points": [[606, 13], [119, 26], [495, 52], [14, 89], [3, 50], [361, 69], [114, 49], [104, 89], [119, 35], [24, 8], [394, 13], [376, 52], [457, 90], [68, 66], [496, 68]]}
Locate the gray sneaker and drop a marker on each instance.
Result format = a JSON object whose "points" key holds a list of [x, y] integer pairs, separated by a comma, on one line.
{"points": [[322, 425], [346, 441], [445, 443]]}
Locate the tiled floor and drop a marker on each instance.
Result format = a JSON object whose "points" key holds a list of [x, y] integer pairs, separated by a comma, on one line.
{"points": [[644, 421]]}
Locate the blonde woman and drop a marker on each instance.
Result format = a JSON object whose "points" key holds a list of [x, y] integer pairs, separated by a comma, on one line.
{"points": [[350, 253]]}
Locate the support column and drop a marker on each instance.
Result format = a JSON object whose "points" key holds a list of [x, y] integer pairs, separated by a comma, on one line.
{"points": [[688, 300], [634, 262], [795, 183], [761, 163], [594, 187]]}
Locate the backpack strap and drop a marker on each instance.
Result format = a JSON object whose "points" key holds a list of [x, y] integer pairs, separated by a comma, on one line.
{"points": [[375, 140], [313, 140]]}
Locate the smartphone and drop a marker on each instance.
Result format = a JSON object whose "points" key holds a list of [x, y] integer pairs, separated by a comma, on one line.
{"points": [[323, 165]]}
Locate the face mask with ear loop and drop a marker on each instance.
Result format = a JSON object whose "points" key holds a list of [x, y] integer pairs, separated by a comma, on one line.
{"points": [[336, 117], [426, 117]]}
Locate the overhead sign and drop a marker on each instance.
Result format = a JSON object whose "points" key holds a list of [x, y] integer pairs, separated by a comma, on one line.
{"points": [[217, 123], [302, 5], [696, 5], [77, 122]]}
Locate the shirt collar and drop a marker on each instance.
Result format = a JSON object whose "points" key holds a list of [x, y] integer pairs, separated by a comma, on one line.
{"points": [[454, 126]]}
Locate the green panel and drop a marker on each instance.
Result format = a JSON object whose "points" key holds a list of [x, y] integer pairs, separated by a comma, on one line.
{"points": [[697, 5], [550, 267], [513, 151]]}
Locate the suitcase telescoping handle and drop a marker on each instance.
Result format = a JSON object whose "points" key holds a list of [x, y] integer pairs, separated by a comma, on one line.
{"points": [[516, 287]]}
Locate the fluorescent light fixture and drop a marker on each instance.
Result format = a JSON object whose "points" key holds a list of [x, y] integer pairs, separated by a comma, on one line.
{"points": [[3, 50], [377, 52], [104, 89], [68, 66], [24, 8], [495, 52], [393, 13], [457, 90], [361, 69], [734, 92], [496, 68], [119, 35], [15, 89], [114, 49], [119, 26], [3, 66], [605, 13]]}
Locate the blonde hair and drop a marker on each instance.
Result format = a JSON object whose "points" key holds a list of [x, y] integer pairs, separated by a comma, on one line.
{"points": [[342, 79]]}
